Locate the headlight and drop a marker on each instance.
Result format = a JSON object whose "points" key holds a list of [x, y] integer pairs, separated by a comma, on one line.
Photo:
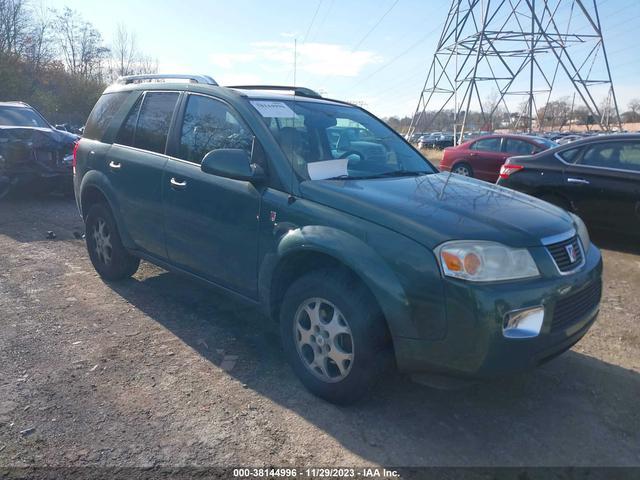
{"points": [[482, 261], [583, 233]]}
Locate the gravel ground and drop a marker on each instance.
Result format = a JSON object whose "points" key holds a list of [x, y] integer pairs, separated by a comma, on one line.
{"points": [[159, 370]]}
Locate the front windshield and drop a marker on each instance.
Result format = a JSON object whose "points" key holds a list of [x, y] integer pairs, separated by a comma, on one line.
{"points": [[20, 117], [323, 140]]}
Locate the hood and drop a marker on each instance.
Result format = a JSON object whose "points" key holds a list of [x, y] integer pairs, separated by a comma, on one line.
{"points": [[42, 149], [42, 136], [432, 209]]}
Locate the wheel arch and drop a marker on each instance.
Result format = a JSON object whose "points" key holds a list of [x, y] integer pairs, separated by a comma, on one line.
{"points": [[95, 187], [309, 248]]}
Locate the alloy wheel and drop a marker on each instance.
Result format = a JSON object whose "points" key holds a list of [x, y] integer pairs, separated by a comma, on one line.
{"points": [[462, 170], [323, 340], [102, 241]]}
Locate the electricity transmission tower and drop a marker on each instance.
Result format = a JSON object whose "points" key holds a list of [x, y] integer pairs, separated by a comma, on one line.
{"points": [[493, 52]]}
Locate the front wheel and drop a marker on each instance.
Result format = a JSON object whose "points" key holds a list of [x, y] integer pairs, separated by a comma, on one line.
{"points": [[333, 335], [109, 257]]}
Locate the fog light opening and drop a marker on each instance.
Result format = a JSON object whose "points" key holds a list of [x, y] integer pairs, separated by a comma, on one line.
{"points": [[525, 323]]}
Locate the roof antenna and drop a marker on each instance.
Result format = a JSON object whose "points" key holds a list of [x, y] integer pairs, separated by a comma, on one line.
{"points": [[295, 61]]}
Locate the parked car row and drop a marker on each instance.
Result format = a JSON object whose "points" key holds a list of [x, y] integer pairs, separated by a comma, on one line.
{"points": [[596, 177]]}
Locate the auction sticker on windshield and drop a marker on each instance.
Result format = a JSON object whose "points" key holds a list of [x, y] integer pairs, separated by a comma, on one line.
{"points": [[273, 109]]}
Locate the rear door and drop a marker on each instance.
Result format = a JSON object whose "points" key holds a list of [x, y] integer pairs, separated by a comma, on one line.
{"points": [[211, 222], [604, 183], [486, 157], [136, 167]]}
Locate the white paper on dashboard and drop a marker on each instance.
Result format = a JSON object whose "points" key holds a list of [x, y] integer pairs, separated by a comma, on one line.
{"points": [[273, 109], [327, 169]]}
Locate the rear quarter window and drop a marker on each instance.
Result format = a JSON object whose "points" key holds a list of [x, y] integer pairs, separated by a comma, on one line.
{"points": [[102, 114], [569, 156]]}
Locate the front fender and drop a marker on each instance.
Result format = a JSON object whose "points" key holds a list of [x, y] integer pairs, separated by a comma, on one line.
{"points": [[356, 255], [98, 180]]}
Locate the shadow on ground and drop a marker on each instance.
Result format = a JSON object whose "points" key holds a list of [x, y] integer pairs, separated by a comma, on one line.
{"points": [[577, 410]]}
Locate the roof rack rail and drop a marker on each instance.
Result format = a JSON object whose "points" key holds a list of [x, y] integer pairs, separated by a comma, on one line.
{"points": [[205, 79], [301, 91]]}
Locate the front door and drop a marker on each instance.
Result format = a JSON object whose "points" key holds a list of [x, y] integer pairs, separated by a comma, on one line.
{"points": [[211, 222]]}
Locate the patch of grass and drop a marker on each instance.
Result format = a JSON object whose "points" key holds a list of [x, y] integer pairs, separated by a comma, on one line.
{"points": [[434, 156]]}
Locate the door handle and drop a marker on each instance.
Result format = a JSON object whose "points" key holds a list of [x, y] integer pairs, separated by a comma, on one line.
{"points": [[115, 165], [177, 184], [578, 180]]}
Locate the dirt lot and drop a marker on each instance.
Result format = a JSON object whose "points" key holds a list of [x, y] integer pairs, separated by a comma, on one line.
{"points": [[161, 371]]}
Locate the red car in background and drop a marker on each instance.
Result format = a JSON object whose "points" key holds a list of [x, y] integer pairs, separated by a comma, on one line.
{"points": [[482, 157]]}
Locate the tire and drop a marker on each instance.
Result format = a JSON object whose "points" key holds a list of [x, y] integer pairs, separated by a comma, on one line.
{"points": [[355, 335], [463, 169], [108, 256]]}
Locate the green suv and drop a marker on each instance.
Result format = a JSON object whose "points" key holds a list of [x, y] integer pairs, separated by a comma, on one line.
{"points": [[321, 215]]}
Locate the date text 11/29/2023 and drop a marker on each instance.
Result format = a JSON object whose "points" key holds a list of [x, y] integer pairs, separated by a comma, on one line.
{"points": [[310, 472]]}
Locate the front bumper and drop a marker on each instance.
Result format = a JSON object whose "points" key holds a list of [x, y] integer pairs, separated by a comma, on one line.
{"points": [[475, 347]]}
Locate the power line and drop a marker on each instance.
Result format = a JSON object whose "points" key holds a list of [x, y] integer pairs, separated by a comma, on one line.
{"points": [[313, 19], [394, 59], [324, 18], [375, 25]]}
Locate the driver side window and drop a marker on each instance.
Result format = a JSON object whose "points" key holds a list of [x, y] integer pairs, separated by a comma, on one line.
{"points": [[209, 125]]}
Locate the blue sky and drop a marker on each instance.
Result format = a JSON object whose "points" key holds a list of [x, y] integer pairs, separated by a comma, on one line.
{"points": [[347, 49]]}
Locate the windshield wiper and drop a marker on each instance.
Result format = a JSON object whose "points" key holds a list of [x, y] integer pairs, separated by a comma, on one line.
{"points": [[393, 173], [398, 173]]}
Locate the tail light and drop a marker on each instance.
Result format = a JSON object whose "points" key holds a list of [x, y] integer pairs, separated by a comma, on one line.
{"points": [[508, 168], [75, 156]]}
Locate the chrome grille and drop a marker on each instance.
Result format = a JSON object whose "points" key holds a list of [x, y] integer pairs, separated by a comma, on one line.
{"points": [[561, 254]]}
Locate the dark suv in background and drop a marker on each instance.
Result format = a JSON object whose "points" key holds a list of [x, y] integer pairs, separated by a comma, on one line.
{"points": [[317, 212]]}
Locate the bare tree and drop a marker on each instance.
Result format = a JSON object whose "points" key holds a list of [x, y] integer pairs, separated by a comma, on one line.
{"points": [[14, 22], [80, 44], [126, 58], [555, 114], [124, 51], [633, 115], [38, 45]]}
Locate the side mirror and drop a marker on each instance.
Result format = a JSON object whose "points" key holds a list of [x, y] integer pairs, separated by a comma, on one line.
{"points": [[232, 163]]}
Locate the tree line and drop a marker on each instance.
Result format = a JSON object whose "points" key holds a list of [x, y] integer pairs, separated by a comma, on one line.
{"points": [[58, 62]]}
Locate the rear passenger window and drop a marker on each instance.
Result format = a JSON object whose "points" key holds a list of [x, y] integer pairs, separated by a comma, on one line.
{"points": [[126, 135], [519, 147], [605, 155], [102, 114], [630, 156], [154, 119], [487, 145], [209, 125]]}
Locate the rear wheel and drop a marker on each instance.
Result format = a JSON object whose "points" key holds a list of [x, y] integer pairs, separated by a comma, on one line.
{"points": [[463, 169], [109, 257], [333, 335]]}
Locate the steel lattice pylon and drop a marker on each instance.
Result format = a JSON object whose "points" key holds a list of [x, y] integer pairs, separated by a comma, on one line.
{"points": [[527, 48]]}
